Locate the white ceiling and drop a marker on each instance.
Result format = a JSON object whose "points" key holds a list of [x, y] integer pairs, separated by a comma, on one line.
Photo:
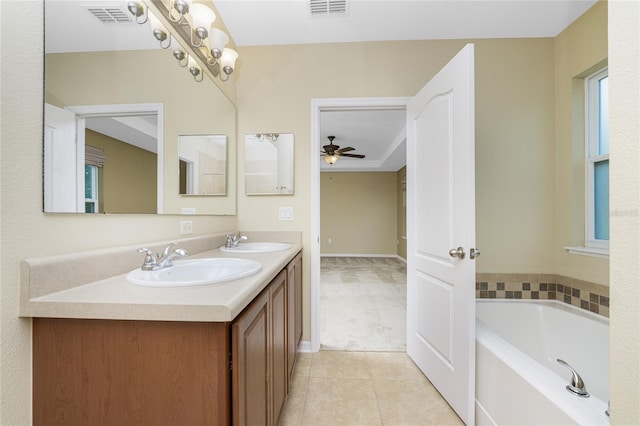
{"points": [[377, 134], [269, 22]]}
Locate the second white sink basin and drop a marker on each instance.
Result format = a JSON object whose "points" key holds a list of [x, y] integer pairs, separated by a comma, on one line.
{"points": [[256, 247], [196, 272]]}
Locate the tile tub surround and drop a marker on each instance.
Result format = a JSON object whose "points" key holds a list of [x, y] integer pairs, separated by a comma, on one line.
{"points": [[583, 294]]}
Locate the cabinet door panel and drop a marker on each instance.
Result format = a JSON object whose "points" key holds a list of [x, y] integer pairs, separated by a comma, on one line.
{"points": [[279, 343], [251, 361]]}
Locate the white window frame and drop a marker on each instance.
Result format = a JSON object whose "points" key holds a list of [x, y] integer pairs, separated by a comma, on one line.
{"points": [[592, 129]]}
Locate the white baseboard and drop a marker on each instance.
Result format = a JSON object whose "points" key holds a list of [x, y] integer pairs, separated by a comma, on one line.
{"points": [[356, 255], [305, 346]]}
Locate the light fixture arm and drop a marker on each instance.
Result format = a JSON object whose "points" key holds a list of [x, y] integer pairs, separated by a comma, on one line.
{"points": [[162, 36], [195, 72], [201, 33], [181, 6], [183, 58], [139, 12]]}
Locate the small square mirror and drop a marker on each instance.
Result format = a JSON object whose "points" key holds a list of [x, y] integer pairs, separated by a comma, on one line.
{"points": [[268, 167]]}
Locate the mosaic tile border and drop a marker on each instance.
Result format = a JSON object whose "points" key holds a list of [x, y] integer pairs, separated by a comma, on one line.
{"points": [[583, 294]]}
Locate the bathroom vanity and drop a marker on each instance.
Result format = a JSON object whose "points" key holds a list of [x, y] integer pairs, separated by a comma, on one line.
{"points": [[217, 354]]}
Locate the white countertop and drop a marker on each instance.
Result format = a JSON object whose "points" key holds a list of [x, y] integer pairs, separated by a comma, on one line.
{"points": [[116, 298]]}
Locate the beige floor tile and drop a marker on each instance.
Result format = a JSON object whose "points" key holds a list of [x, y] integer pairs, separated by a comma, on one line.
{"points": [[294, 405], [303, 366], [337, 402], [412, 403], [393, 366], [340, 365]]}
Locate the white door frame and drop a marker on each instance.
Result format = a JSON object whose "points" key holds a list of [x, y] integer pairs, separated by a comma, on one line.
{"points": [[87, 111], [318, 105]]}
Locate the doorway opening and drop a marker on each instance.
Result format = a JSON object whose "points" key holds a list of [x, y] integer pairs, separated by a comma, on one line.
{"points": [[321, 107]]}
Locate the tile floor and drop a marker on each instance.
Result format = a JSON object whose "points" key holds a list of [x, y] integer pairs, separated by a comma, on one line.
{"points": [[362, 389], [363, 376]]}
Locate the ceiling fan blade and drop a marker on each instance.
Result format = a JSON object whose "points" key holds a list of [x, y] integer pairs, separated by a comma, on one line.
{"points": [[346, 149], [351, 155]]}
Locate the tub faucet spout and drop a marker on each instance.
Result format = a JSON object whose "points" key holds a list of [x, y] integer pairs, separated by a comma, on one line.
{"points": [[576, 386]]}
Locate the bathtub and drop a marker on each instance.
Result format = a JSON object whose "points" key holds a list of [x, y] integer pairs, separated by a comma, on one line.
{"points": [[519, 381]]}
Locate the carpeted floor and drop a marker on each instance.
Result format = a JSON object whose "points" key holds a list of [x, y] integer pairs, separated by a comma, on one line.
{"points": [[363, 304]]}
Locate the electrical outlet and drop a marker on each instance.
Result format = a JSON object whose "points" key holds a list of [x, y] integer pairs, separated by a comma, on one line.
{"points": [[186, 227], [329, 241]]}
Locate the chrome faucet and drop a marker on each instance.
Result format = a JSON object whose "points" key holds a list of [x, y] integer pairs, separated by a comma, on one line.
{"points": [[576, 386], [234, 239], [153, 262]]}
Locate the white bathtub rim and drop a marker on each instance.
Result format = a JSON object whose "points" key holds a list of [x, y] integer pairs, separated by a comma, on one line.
{"points": [[556, 304], [551, 386]]}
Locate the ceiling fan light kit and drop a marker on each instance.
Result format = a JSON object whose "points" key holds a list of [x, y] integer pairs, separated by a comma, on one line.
{"points": [[331, 152]]}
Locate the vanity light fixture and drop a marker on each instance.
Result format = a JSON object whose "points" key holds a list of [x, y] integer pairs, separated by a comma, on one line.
{"points": [[159, 32], [192, 23], [269, 136], [139, 12], [330, 159]]}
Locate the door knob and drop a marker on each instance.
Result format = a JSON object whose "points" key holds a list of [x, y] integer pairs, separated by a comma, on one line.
{"points": [[459, 253], [473, 253]]}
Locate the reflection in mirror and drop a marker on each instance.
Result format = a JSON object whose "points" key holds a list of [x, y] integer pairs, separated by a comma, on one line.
{"points": [[89, 63], [115, 164], [203, 164], [268, 163]]}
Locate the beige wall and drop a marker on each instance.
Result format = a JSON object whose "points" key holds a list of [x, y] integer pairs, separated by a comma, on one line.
{"points": [[150, 76], [624, 136], [358, 212], [577, 50], [128, 177], [25, 231]]}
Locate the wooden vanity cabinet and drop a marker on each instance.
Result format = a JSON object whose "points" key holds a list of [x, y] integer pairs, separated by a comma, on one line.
{"points": [[112, 372], [117, 372]]}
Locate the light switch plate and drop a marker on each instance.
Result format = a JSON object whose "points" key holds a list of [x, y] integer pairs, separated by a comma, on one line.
{"points": [[285, 214]]}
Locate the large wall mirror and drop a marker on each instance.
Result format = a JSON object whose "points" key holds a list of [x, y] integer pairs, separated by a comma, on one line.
{"points": [[126, 102], [268, 166]]}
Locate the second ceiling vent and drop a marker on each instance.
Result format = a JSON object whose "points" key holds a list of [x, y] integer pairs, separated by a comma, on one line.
{"points": [[328, 7]]}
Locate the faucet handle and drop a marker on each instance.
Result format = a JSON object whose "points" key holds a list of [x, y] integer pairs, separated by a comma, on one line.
{"points": [[167, 249], [149, 259]]}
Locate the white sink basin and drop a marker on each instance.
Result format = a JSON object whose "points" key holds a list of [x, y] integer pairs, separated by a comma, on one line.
{"points": [[195, 272], [256, 247]]}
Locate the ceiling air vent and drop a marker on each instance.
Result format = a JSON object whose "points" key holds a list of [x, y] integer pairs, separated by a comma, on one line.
{"points": [[328, 7], [111, 15]]}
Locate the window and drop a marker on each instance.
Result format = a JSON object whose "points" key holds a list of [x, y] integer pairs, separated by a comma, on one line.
{"points": [[597, 160], [90, 188]]}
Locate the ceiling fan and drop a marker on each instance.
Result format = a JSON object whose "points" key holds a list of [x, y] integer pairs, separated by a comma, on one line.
{"points": [[332, 152]]}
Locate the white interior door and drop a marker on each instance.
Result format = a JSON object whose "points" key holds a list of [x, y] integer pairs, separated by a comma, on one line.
{"points": [[63, 162], [441, 217]]}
